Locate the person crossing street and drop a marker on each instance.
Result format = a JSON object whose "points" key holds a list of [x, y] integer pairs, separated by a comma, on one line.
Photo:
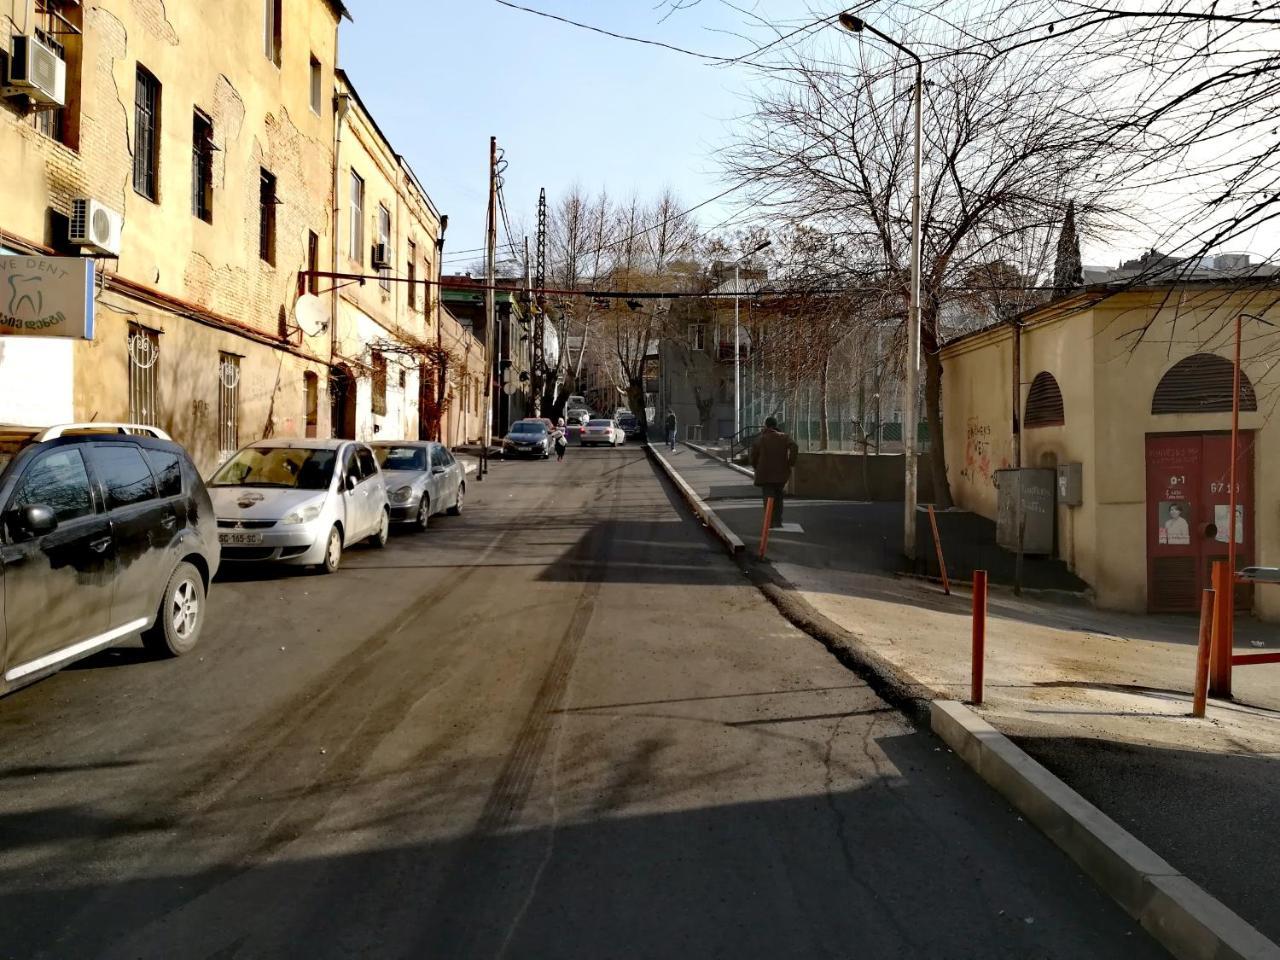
{"points": [[772, 457]]}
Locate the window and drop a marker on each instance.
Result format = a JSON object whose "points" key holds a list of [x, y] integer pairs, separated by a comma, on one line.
{"points": [[1202, 383], [311, 400], [271, 31], [697, 336], [404, 379], [167, 469], [1044, 403], [438, 457], [384, 238], [146, 135], [228, 403], [144, 357], [357, 218], [411, 274], [351, 467], [59, 481], [124, 474], [313, 261], [317, 89], [368, 462], [379, 384], [267, 216], [57, 26], [202, 167]]}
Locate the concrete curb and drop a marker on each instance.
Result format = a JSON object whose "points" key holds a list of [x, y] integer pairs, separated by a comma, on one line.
{"points": [[1189, 923], [708, 516]]}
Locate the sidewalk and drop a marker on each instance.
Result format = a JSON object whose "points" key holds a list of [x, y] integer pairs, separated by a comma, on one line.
{"points": [[1100, 698]]}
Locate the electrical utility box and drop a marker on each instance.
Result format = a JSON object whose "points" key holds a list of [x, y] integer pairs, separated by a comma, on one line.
{"points": [[1025, 509], [1070, 484]]}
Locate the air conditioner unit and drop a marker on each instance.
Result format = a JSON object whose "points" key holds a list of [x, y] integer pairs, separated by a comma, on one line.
{"points": [[381, 256], [37, 72], [95, 226]]}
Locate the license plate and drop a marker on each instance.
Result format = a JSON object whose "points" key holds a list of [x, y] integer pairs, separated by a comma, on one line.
{"points": [[240, 539]]}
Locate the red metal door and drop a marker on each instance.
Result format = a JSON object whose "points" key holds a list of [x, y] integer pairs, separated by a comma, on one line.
{"points": [[1174, 576], [1188, 487], [1215, 493]]}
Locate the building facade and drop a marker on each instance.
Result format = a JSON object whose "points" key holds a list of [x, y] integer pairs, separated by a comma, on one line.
{"points": [[1135, 387], [204, 155]]}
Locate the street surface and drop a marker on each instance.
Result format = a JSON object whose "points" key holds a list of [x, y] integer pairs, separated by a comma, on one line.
{"points": [[561, 725]]}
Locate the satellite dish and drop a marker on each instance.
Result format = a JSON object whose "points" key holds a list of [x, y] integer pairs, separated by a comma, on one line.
{"points": [[311, 314]]}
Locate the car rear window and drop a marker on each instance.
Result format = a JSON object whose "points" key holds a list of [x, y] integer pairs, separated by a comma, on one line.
{"points": [[123, 473], [168, 470], [600, 423]]}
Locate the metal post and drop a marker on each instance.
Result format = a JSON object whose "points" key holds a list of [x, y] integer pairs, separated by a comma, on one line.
{"points": [[491, 241], [1016, 399], [1233, 499], [913, 336], [768, 522], [1220, 652], [978, 663], [737, 417], [1202, 654]]}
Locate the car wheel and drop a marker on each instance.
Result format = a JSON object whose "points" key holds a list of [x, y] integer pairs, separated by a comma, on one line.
{"points": [[456, 509], [380, 538], [181, 614], [423, 519], [332, 552]]}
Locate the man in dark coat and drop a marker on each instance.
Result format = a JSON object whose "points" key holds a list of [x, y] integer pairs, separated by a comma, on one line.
{"points": [[671, 431], [772, 456]]}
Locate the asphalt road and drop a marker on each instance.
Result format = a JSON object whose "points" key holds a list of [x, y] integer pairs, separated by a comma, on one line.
{"points": [[562, 725]]}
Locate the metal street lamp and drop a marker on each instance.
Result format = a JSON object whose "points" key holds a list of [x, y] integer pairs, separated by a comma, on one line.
{"points": [[737, 350], [857, 25]]}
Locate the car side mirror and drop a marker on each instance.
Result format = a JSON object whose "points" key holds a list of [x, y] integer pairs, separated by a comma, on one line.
{"points": [[350, 482], [34, 520]]}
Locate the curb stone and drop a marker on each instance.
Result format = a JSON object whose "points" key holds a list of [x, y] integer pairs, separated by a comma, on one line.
{"points": [[732, 542], [1185, 919]]}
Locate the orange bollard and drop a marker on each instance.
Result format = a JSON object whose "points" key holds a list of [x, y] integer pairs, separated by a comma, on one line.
{"points": [[1201, 692], [1220, 648], [764, 532], [979, 634], [937, 543]]}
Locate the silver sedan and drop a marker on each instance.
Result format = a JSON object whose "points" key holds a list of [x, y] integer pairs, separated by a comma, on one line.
{"points": [[423, 479]]}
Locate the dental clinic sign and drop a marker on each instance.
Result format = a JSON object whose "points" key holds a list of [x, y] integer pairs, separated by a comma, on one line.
{"points": [[46, 297]]}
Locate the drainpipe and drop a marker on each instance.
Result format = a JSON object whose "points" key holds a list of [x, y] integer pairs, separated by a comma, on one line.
{"points": [[341, 104]]}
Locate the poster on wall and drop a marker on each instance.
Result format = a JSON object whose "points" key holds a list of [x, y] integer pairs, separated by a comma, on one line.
{"points": [[1175, 526], [1220, 513], [46, 297]]}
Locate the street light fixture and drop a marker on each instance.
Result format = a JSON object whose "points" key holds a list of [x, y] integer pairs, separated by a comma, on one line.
{"points": [[857, 25], [737, 350]]}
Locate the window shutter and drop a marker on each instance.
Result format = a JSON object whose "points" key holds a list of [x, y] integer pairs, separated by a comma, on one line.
{"points": [[1044, 403], [1201, 384]]}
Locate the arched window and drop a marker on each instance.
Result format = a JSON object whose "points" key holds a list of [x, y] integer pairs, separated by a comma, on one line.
{"points": [[1044, 403], [1201, 384]]}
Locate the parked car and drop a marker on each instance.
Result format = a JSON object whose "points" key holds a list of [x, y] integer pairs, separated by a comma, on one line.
{"points": [[422, 479], [300, 502], [577, 416], [527, 438], [598, 432], [107, 532], [630, 426]]}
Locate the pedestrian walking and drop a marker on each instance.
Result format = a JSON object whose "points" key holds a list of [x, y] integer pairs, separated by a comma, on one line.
{"points": [[772, 457], [671, 431], [561, 439]]}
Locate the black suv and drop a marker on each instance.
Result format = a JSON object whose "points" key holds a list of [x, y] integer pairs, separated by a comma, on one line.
{"points": [[105, 530]]}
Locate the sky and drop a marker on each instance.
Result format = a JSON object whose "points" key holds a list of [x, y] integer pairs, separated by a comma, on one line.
{"points": [[567, 105]]}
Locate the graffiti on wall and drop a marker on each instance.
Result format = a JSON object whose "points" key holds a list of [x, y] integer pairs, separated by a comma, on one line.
{"points": [[980, 460]]}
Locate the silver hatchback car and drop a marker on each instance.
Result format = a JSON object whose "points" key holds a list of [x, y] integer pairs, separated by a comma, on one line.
{"points": [[423, 479], [299, 502]]}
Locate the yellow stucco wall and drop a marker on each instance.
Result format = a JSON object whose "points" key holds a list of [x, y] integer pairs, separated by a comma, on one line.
{"points": [[1108, 373]]}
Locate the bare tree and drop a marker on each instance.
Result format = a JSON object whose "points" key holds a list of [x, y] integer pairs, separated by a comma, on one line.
{"points": [[832, 149]]}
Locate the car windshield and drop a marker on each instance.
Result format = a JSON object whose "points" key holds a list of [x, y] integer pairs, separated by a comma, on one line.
{"points": [[290, 467], [401, 458], [626, 419], [528, 426], [600, 423]]}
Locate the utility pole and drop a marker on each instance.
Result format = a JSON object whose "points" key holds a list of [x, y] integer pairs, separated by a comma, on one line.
{"points": [[540, 308], [491, 242]]}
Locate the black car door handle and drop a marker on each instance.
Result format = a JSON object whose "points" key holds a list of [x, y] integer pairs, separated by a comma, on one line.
{"points": [[100, 546]]}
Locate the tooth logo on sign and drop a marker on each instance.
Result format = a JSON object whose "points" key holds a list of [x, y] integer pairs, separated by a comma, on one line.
{"points": [[25, 291]]}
